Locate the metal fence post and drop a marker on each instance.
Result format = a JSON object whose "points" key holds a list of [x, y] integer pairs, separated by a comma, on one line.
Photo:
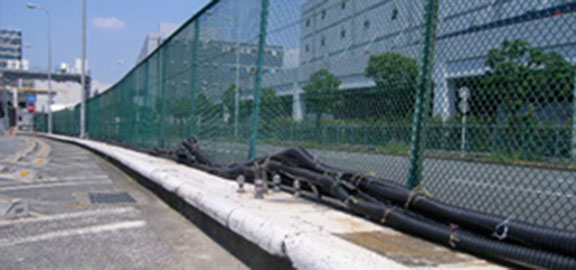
{"points": [[423, 90], [194, 77], [258, 81], [143, 120], [160, 97], [573, 150]]}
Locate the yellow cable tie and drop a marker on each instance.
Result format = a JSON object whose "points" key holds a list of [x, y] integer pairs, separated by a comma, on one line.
{"points": [[453, 239], [387, 211]]}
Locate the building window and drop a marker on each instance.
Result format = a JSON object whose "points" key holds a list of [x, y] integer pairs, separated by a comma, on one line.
{"points": [[395, 14], [308, 23], [323, 15], [343, 5], [323, 41], [307, 48], [343, 33], [366, 24]]}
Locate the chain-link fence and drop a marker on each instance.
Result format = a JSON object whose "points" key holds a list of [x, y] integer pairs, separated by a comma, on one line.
{"points": [[472, 100]]}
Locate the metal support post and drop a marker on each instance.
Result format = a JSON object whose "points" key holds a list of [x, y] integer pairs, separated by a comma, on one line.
{"points": [[50, 93], [83, 77], [5, 101], [423, 90], [160, 98], [194, 78], [15, 103], [258, 80]]}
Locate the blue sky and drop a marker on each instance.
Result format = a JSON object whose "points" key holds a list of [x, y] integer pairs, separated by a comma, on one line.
{"points": [[116, 30]]}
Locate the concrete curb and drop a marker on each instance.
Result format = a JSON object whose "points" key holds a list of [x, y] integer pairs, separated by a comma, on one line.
{"points": [[295, 229], [291, 230]]}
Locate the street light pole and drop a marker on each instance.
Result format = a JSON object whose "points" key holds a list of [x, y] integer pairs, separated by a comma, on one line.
{"points": [[48, 31], [83, 76]]}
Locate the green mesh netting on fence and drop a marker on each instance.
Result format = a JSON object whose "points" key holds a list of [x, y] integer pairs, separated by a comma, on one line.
{"points": [[473, 100]]}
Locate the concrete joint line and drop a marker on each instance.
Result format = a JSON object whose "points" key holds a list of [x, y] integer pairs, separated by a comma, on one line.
{"points": [[74, 232]]}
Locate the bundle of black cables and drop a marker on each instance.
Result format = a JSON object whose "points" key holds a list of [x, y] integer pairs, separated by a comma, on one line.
{"points": [[412, 211]]}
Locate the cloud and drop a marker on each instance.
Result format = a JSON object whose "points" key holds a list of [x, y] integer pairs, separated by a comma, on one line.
{"points": [[108, 23]]}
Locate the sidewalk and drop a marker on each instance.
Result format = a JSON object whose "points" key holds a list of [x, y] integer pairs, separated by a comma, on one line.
{"points": [[85, 213]]}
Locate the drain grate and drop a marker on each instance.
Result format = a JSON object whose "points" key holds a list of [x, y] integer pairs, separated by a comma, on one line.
{"points": [[119, 197]]}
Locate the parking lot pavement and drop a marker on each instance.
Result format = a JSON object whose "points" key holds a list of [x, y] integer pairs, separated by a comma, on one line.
{"points": [[540, 196], [10, 146], [84, 213]]}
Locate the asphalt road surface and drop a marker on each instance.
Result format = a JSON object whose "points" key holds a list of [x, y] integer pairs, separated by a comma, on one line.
{"points": [[541, 196], [87, 214]]}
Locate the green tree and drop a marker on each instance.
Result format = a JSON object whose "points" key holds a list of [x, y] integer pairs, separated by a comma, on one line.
{"points": [[519, 76], [205, 108], [321, 94], [519, 79], [272, 106], [180, 108], [229, 100], [395, 76], [229, 97]]}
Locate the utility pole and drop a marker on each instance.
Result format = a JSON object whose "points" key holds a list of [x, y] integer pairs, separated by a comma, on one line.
{"points": [[15, 103], [83, 76], [50, 93], [5, 101]]}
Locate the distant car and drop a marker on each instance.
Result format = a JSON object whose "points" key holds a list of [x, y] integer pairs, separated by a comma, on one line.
{"points": [[25, 128]]}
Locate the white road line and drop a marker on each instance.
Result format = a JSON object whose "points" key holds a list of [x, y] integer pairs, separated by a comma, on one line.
{"points": [[33, 186], [48, 180], [509, 188], [87, 230], [89, 213], [71, 178]]}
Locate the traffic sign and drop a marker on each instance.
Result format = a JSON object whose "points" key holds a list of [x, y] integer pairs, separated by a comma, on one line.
{"points": [[31, 99], [31, 108], [464, 92]]}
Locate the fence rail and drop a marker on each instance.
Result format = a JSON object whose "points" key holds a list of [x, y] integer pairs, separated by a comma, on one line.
{"points": [[472, 100]]}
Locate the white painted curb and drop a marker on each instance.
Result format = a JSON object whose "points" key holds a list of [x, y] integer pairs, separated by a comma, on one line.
{"points": [[280, 224]]}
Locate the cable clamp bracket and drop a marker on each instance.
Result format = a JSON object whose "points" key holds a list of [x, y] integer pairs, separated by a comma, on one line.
{"points": [[387, 212], [501, 230], [412, 196]]}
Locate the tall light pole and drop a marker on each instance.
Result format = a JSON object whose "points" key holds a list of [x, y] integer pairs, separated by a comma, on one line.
{"points": [[83, 76], [48, 32]]}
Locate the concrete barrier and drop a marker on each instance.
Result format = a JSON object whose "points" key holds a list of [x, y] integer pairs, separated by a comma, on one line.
{"points": [[309, 235]]}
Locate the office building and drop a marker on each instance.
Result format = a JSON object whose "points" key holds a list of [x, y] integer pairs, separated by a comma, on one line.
{"points": [[11, 50], [342, 35]]}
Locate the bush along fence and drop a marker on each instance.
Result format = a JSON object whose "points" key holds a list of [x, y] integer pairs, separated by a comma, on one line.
{"points": [[472, 101]]}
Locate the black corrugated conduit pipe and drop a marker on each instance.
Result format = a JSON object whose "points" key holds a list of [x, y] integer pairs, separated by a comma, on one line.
{"points": [[388, 202]]}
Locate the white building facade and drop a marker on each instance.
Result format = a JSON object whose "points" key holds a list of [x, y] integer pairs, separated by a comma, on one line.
{"points": [[341, 35]]}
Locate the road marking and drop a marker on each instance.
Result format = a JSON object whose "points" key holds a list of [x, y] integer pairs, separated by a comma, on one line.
{"points": [[33, 186], [74, 232], [525, 190], [48, 180], [70, 178], [45, 150], [89, 213]]}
